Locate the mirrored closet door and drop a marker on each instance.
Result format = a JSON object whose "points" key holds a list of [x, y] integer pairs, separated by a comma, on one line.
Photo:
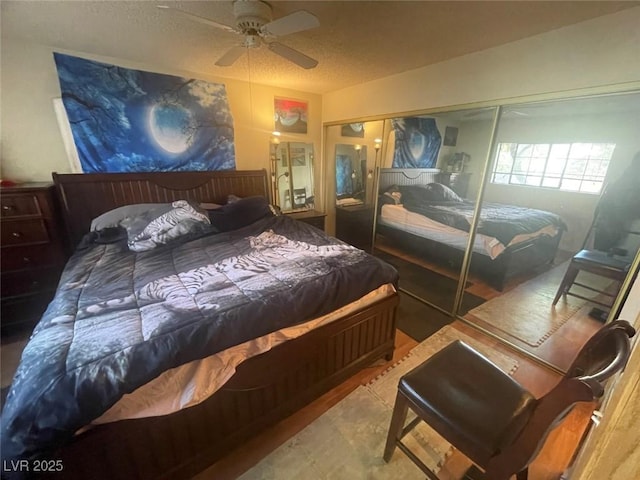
{"points": [[427, 188], [482, 211], [561, 173]]}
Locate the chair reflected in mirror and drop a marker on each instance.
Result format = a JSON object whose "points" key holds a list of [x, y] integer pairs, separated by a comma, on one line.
{"points": [[299, 197], [488, 416], [610, 246]]}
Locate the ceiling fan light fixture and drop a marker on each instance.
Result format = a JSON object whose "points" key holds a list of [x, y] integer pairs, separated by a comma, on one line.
{"points": [[254, 21], [251, 41], [251, 15]]}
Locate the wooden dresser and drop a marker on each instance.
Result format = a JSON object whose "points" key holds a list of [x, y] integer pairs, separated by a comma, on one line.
{"points": [[32, 253], [312, 217]]}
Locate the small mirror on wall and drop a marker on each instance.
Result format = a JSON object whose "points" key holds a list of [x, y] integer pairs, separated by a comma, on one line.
{"points": [[351, 172], [292, 176]]}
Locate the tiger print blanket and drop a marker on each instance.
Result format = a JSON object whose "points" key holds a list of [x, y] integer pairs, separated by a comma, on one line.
{"points": [[121, 318]]}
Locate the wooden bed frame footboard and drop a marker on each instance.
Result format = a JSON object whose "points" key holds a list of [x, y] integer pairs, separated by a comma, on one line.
{"points": [[264, 390]]}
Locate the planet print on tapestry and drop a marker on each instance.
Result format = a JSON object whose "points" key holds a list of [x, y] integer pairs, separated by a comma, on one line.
{"points": [[125, 120]]}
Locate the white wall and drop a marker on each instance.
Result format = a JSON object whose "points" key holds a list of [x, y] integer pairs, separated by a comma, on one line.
{"points": [[599, 52], [31, 143]]}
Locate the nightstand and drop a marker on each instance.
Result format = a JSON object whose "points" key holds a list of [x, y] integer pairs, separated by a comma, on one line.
{"points": [[354, 225], [32, 253], [312, 217]]}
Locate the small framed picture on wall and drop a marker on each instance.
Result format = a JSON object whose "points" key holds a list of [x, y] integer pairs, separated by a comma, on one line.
{"points": [[450, 137], [353, 130], [290, 116]]}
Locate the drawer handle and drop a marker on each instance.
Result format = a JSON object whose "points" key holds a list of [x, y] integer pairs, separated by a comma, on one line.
{"points": [[16, 234], [35, 283], [7, 208], [26, 259]]}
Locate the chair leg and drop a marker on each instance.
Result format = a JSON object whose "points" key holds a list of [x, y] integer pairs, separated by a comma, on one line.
{"points": [[567, 281], [397, 424]]}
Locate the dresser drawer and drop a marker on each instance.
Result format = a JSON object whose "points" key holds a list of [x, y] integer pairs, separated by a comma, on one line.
{"points": [[20, 205], [22, 313], [27, 282], [32, 256], [21, 232], [317, 222]]}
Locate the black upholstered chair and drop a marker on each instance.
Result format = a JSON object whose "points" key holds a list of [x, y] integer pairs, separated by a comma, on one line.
{"points": [[608, 249], [596, 262], [486, 414]]}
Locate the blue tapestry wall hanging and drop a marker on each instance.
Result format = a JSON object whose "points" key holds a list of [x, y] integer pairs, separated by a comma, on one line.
{"points": [[417, 142], [125, 120]]}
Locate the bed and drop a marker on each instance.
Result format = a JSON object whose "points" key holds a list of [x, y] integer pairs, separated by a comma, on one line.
{"points": [[74, 418], [420, 215]]}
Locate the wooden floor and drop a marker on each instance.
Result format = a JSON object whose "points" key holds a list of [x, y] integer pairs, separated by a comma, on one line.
{"points": [[559, 349], [537, 378], [550, 464]]}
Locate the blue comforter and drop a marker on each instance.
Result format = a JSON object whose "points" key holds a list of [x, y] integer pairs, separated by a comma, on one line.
{"points": [[120, 318], [497, 220]]}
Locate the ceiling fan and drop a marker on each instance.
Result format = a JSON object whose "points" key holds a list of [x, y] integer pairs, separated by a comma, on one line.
{"points": [[254, 22]]}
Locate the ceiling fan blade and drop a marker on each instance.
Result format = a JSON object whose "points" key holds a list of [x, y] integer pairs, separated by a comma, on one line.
{"points": [[231, 56], [198, 18], [292, 55], [295, 22]]}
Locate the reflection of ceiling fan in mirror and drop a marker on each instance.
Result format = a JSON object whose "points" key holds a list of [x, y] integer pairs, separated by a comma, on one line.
{"points": [[254, 22]]}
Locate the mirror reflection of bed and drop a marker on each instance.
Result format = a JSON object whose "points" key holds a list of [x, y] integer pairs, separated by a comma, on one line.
{"points": [[552, 157]]}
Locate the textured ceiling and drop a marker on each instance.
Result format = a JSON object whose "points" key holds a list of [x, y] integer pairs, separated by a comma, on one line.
{"points": [[357, 41]]}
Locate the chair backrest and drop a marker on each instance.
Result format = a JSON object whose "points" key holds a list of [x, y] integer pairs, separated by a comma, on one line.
{"points": [[616, 220], [605, 354]]}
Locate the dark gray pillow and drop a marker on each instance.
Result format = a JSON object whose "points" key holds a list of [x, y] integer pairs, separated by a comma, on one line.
{"points": [[240, 213], [417, 194], [443, 193], [113, 218]]}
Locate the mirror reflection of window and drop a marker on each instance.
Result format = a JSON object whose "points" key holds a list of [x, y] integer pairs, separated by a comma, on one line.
{"points": [[351, 174], [292, 176]]}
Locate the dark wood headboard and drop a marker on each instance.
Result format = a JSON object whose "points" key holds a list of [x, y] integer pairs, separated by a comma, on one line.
{"points": [[406, 176], [84, 196]]}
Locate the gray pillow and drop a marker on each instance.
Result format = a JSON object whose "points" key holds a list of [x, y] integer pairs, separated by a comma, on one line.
{"points": [[114, 218], [182, 222]]}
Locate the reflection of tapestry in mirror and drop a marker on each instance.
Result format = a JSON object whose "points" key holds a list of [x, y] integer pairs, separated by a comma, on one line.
{"points": [[351, 167], [417, 142], [344, 182]]}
